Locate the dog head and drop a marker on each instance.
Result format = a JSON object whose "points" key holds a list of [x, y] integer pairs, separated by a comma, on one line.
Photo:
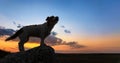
{"points": [[52, 20]]}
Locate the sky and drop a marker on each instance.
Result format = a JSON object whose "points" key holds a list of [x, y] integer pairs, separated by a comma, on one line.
{"points": [[92, 23]]}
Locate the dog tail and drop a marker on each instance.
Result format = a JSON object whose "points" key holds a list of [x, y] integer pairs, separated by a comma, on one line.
{"points": [[15, 35]]}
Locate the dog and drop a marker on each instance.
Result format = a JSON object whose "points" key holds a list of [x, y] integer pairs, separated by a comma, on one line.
{"points": [[41, 31]]}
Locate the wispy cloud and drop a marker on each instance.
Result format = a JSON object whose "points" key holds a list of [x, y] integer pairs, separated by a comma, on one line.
{"points": [[62, 26], [54, 33], [53, 40], [17, 25], [74, 44], [67, 31]]}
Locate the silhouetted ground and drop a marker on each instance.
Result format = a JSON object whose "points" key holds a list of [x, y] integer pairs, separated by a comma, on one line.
{"points": [[88, 58], [38, 54], [82, 58], [3, 53]]}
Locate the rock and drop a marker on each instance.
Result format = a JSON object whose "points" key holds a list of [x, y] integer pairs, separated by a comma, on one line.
{"points": [[38, 54], [3, 53]]}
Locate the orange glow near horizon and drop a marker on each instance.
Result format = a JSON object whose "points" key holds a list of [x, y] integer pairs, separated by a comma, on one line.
{"points": [[101, 44]]}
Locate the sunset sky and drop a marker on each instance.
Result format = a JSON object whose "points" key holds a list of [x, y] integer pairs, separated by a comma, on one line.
{"points": [[94, 24]]}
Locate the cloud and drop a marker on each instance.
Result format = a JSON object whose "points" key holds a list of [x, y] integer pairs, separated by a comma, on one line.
{"points": [[62, 26], [4, 31], [1, 27], [17, 25], [67, 31], [50, 40], [54, 33], [14, 22], [54, 41], [74, 44]]}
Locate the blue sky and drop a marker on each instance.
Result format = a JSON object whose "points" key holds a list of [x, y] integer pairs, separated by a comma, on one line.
{"points": [[91, 23], [89, 17]]}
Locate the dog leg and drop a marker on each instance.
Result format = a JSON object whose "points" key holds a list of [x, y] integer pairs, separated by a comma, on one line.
{"points": [[21, 46], [23, 39], [42, 42]]}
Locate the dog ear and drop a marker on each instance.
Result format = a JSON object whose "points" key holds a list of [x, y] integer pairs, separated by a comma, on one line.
{"points": [[47, 18], [57, 18]]}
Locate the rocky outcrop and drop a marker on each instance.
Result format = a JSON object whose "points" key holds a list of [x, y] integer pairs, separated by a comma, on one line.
{"points": [[38, 54], [3, 53]]}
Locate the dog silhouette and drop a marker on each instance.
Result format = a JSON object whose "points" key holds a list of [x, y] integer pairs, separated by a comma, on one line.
{"points": [[41, 31]]}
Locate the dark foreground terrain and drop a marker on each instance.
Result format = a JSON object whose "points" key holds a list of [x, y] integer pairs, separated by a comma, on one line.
{"points": [[88, 58], [81, 58]]}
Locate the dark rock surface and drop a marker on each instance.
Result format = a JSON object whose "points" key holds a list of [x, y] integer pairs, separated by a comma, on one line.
{"points": [[38, 54], [3, 53]]}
